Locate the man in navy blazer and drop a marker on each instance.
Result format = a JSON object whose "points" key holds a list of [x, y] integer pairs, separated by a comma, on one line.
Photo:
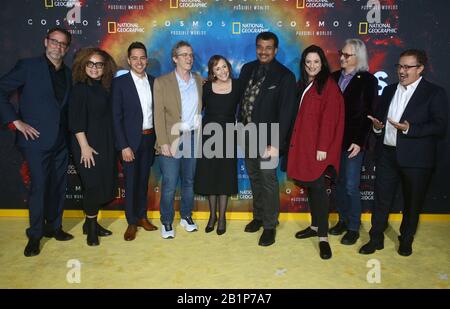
{"points": [[43, 83], [132, 102], [410, 119]]}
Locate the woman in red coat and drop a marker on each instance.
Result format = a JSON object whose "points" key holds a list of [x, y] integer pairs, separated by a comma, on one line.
{"points": [[316, 140]]}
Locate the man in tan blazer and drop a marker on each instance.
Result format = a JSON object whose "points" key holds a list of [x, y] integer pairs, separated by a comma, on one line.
{"points": [[178, 104]]}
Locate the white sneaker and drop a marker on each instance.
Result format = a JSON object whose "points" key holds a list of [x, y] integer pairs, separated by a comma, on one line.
{"points": [[188, 224], [167, 231]]}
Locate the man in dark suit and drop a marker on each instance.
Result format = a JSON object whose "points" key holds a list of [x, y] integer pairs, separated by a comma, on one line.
{"points": [[132, 101], [411, 117], [44, 83], [269, 100], [359, 89]]}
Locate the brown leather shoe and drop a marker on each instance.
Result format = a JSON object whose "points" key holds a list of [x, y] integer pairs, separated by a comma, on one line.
{"points": [[130, 233], [146, 224]]}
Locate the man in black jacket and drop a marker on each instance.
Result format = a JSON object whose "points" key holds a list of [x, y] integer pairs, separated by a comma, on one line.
{"points": [[411, 117], [359, 89], [268, 102]]}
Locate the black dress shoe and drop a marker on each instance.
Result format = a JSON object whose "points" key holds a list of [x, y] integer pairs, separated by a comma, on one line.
{"points": [[59, 234], [306, 233], [267, 238], [405, 249], [350, 238], [370, 247], [338, 229], [101, 231], [253, 226], [32, 247], [325, 250]]}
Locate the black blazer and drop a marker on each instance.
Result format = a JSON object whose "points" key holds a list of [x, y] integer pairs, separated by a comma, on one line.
{"points": [[427, 114], [38, 106], [127, 111], [359, 98], [276, 101]]}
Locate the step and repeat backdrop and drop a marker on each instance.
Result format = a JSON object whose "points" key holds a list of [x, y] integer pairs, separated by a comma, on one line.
{"points": [[228, 27]]}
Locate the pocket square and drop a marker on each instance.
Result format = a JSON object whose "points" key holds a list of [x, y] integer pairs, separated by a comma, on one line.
{"points": [[272, 87]]}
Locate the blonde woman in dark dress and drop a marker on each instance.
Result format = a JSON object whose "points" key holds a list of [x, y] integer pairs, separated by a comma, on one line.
{"points": [[90, 121]]}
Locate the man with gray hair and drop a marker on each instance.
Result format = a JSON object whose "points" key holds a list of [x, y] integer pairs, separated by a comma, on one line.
{"points": [[359, 89], [178, 103]]}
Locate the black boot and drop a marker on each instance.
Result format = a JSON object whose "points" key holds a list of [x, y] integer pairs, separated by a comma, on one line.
{"points": [[101, 231], [92, 233]]}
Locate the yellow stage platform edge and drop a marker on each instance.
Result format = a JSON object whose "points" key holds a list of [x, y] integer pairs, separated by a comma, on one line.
{"points": [[120, 214]]}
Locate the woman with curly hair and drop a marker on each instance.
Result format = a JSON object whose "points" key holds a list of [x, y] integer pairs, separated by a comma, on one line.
{"points": [[90, 120]]}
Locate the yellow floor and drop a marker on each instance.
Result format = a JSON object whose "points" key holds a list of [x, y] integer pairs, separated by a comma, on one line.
{"points": [[233, 260]]}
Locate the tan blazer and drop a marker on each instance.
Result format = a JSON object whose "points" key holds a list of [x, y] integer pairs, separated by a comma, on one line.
{"points": [[168, 107]]}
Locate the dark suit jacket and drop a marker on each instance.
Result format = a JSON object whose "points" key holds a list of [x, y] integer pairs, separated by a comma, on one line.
{"points": [[359, 98], [427, 114], [127, 111], [38, 106], [276, 101]]}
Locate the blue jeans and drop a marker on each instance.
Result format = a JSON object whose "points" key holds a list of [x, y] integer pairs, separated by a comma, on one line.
{"points": [[348, 195], [173, 169]]}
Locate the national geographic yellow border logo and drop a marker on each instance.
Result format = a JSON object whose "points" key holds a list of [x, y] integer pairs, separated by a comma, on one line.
{"points": [[236, 27], [174, 4], [362, 28], [300, 4], [48, 3], [112, 27]]}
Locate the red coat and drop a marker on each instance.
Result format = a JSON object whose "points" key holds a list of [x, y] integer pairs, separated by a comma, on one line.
{"points": [[319, 126]]}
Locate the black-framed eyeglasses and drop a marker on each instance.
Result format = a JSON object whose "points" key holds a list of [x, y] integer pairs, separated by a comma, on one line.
{"points": [[97, 65], [57, 43], [405, 67], [346, 56]]}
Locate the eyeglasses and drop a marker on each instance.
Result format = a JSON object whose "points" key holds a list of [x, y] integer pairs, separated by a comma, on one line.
{"points": [[346, 56], [97, 65], [405, 67], [185, 55], [57, 43]]}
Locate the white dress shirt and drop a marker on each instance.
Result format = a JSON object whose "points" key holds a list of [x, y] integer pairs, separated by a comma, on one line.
{"points": [[145, 97], [396, 108]]}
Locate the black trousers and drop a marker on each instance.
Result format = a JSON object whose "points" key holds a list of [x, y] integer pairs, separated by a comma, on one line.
{"points": [[414, 181], [91, 205], [318, 203], [266, 193]]}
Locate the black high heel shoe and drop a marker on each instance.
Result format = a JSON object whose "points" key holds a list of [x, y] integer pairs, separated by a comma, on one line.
{"points": [[209, 228], [221, 231]]}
